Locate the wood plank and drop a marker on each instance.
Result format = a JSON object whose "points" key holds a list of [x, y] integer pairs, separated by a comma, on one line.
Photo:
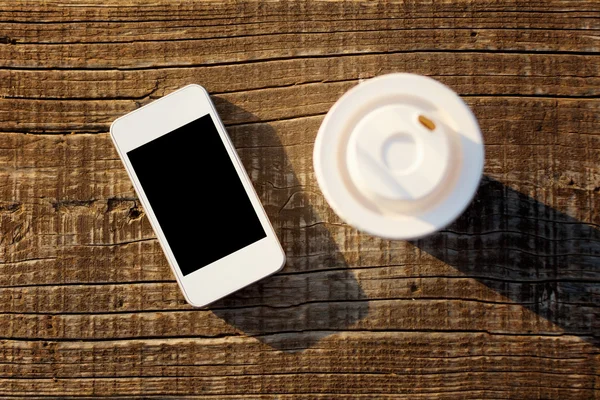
{"points": [[294, 290], [182, 26], [504, 305], [240, 13], [410, 363], [207, 51], [332, 384], [399, 351], [467, 73], [42, 115], [364, 314]]}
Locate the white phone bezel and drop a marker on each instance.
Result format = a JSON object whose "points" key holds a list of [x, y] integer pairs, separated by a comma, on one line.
{"points": [[238, 269]]}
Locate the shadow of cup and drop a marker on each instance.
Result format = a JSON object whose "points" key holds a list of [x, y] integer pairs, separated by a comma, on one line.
{"points": [[528, 252], [315, 295]]}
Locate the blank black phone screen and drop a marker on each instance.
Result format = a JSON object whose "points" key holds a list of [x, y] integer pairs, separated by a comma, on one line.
{"points": [[196, 194]]}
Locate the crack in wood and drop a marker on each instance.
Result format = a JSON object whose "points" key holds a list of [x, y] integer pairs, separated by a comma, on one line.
{"points": [[303, 57]]}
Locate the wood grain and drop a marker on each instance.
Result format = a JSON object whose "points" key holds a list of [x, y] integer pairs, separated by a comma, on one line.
{"points": [[504, 303]]}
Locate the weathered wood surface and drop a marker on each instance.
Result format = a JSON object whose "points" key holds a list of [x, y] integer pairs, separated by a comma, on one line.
{"points": [[505, 303]]}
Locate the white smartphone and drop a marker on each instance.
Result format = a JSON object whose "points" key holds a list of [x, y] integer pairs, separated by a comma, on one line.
{"points": [[179, 156]]}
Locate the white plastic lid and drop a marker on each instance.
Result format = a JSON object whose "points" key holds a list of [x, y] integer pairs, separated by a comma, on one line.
{"points": [[399, 156]]}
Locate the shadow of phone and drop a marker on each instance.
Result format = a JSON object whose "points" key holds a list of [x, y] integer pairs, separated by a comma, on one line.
{"points": [[315, 295]]}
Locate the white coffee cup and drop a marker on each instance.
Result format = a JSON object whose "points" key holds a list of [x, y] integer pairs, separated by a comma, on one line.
{"points": [[399, 156]]}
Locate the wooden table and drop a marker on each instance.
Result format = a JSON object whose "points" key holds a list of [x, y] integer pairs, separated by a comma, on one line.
{"points": [[505, 303]]}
